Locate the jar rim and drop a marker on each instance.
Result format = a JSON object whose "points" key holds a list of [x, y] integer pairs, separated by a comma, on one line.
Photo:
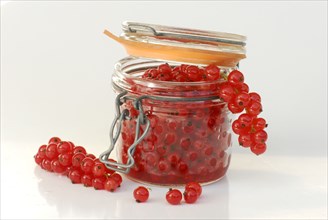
{"points": [[128, 71]]}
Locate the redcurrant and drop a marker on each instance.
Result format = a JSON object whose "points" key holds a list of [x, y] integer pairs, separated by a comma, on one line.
{"points": [[196, 186], [174, 196], [141, 194], [190, 195]]}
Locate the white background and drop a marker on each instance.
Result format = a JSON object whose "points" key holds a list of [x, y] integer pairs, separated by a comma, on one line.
{"points": [[55, 81]]}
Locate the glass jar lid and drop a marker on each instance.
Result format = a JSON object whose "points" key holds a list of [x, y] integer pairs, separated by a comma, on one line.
{"points": [[181, 44]]}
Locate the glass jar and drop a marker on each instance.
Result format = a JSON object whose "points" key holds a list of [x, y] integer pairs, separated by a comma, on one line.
{"points": [[171, 133]]}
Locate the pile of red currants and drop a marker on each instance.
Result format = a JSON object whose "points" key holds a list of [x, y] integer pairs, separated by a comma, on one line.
{"points": [[80, 167]]}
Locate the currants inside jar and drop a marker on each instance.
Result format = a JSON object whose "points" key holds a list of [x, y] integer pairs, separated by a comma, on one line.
{"points": [[187, 141]]}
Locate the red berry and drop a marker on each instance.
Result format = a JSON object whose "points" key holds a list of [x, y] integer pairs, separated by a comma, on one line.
{"points": [[174, 158], [196, 186], [46, 165], [190, 195], [213, 72], [163, 165], [236, 77], [242, 99], [65, 159], [98, 183], [117, 177], [87, 164], [234, 108], [259, 124], [111, 184], [242, 87], [254, 108], [141, 194], [192, 155], [174, 196], [86, 180], [258, 148], [254, 97], [245, 120], [237, 127], [164, 69], [57, 167], [51, 151], [54, 140], [185, 143], [99, 169], [79, 149], [42, 151], [77, 159], [170, 138], [245, 140], [75, 176], [38, 159], [260, 137], [64, 147], [226, 92], [193, 73]]}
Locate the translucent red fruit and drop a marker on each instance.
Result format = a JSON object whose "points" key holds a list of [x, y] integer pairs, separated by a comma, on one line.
{"points": [[259, 124], [51, 151], [235, 77], [164, 69], [245, 140], [38, 159], [141, 194], [212, 72], [64, 147], [196, 186], [245, 120], [42, 151], [174, 196], [54, 140], [260, 137], [226, 92], [242, 99], [57, 167], [258, 148], [190, 196], [254, 108], [111, 184]]}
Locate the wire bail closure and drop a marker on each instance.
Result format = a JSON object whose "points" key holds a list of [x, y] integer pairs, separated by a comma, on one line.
{"points": [[120, 117], [141, 120]]}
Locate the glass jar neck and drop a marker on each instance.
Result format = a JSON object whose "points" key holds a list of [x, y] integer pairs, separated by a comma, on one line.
{"points": [[128, 77]]}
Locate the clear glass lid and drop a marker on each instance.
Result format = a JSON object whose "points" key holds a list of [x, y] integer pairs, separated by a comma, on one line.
{"points": [[182, 37]]}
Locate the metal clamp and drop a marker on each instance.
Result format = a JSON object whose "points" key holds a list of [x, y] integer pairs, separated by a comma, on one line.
{"points": [[141, 120]]}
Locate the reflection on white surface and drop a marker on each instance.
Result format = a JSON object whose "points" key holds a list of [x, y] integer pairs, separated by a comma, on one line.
{"points": [[276, 187], [76, 201]]}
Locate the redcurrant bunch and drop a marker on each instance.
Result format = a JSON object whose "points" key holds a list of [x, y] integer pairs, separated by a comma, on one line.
{"points": [[80, 167], [248, 126]]}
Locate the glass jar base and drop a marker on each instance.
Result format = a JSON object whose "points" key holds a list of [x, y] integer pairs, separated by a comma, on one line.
{"points": [[171, 184]]}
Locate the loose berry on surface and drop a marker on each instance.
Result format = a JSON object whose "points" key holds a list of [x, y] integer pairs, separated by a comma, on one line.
{"points": [[141, 194], [174, 196]]}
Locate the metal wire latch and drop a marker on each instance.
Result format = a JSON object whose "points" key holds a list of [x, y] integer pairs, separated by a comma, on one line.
{"points": [[141, 120]]}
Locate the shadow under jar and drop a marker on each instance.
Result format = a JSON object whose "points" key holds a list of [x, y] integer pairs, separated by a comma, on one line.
{"points": [[171, 133]]}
